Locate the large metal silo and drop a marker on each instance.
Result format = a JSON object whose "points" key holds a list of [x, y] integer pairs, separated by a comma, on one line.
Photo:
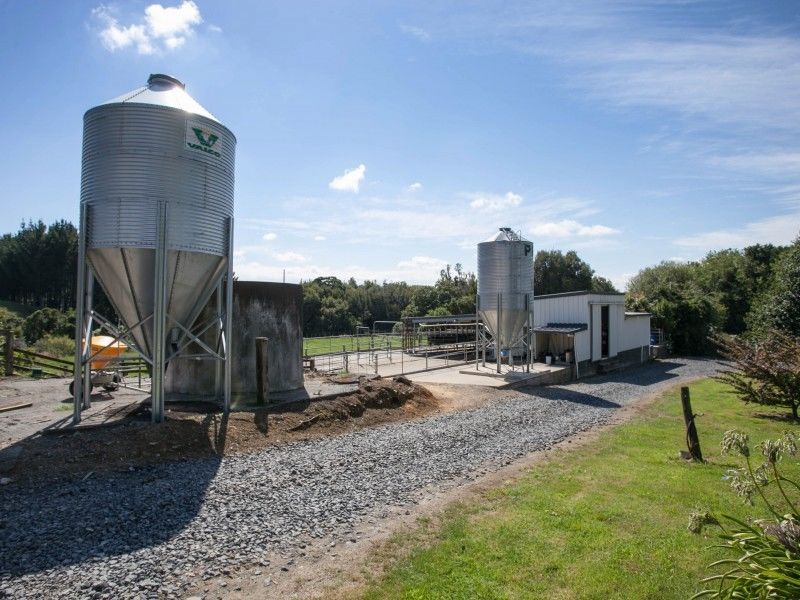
{"points": [[157, 186], [505, 288]]}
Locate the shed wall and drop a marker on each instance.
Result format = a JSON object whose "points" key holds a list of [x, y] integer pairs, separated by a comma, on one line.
{"points": [[635, 332]]}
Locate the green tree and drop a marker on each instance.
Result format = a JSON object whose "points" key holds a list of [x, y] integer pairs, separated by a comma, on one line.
{"points": [[601, 285], [778, 306], [555, 272], [687, 314]]}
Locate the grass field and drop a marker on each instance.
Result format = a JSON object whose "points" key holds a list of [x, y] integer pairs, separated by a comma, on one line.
{"points": [[351, 343], [23, 310], [606, 520]]}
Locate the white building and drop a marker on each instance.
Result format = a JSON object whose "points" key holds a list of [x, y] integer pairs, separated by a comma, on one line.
{"points": [[595, 327]]}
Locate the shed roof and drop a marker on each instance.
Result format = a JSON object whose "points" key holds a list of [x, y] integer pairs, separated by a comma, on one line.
{"points": [[563, 328], [577, 293]]}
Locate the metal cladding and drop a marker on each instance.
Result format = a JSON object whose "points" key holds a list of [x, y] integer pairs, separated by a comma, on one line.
{"points": [[151, 148], [505, 285]]}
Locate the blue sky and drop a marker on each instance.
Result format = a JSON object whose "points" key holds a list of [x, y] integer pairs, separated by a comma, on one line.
{"points": [[384, 140]]}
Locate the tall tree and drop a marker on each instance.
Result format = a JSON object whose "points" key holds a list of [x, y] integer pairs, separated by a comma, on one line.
{"points": [[778, 306], [555, 272]]}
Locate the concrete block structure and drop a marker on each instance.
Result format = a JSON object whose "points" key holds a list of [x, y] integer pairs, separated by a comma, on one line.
{"points": [[260, 309]]}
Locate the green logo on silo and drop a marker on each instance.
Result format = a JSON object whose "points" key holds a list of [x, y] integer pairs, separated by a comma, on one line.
{"points": [[200, 138], [207, 140]]}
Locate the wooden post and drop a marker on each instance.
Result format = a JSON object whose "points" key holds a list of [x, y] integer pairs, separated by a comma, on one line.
{"points": [[8, 352], [262, 371], [692, 440]]}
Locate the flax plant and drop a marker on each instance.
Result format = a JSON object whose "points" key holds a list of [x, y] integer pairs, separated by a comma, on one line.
{"points": [[766, 561]]}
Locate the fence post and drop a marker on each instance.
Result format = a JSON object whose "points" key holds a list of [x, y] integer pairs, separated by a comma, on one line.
{"points": [[345, 361], [8, 352], [262, 371], [692, 440]]}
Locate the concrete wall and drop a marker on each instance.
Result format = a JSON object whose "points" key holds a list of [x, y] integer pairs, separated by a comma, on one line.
{"points": [[260, 309]]}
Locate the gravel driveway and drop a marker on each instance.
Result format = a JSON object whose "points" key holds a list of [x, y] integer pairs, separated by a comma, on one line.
{"points": [[149, 531]]}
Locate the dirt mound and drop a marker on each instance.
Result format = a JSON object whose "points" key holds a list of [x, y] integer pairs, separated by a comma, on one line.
{"points": [[188, 433]]}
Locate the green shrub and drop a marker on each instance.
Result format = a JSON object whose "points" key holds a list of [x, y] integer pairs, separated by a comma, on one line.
{"points": [[48, 321], [10, 320], [766, 553], [57, 346]]}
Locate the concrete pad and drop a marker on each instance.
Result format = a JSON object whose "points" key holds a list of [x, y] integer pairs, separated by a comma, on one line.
{"points": [[459, 375]]}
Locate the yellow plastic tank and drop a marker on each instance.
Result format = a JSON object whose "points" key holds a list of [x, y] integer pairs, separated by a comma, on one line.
{"points": [[109, 350]]}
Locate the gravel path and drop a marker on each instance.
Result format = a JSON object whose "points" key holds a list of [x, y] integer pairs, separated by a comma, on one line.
{"points": [[148, 531]]}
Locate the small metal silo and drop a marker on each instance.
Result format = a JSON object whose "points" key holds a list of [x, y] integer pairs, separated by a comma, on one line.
{"points": [[505, 288], [156, 228]]}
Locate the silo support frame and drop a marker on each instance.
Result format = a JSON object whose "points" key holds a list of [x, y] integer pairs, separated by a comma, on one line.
{"points": [[87, 319]]}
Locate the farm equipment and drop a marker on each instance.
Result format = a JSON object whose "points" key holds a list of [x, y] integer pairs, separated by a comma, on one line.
{"points": [[105, 350]]}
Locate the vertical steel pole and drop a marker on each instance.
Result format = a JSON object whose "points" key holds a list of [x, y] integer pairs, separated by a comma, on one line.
{"points": [[80, 317], [498, 350], [229, 320], [477, 328], [530, 332], [218, 363], [87, 344], [159, 315]]}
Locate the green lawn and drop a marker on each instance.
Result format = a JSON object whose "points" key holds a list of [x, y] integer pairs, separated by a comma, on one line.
{"points": [[606, 520], [351, 343]]}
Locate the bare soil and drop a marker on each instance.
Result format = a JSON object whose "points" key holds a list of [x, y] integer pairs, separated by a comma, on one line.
{"points": [[189, 432]]}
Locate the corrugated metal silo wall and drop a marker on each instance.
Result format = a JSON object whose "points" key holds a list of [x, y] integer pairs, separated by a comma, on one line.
{"points": [[260, 309]]}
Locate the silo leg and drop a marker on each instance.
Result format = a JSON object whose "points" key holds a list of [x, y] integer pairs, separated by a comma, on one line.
{"points": [[80, 317], [229, 321], [159, 316]]}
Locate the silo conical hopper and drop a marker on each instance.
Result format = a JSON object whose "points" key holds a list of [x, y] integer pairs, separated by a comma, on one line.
{"points": [[157, 188], [505, 287]]}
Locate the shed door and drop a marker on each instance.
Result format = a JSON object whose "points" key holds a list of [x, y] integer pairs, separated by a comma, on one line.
{"points": [[604, 327]]}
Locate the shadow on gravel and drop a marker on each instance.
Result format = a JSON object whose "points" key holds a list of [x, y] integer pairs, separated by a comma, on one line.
{"points": [[647, 374], [567, 395], [47, 524]]}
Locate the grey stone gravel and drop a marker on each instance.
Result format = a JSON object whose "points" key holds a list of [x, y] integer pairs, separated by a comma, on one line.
{"points": [[148, 532]]}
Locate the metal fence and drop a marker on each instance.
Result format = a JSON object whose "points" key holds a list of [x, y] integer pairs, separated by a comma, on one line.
{"points": [[405, 351]]}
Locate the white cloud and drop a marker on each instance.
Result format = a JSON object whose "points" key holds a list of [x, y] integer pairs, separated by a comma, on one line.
{"points": [[417, 32], [411, 220], [568, 228], [774, 164], [422, 262], [415, 187], [269, 236], [622, 280], [418, 269], [495, 202], [350, 181], [782, 229], [320, 238], [160, 28], [289, 257]]}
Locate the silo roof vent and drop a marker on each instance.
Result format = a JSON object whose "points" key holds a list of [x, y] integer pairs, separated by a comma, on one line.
{"points": [[160, 79], [167, 91]]}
